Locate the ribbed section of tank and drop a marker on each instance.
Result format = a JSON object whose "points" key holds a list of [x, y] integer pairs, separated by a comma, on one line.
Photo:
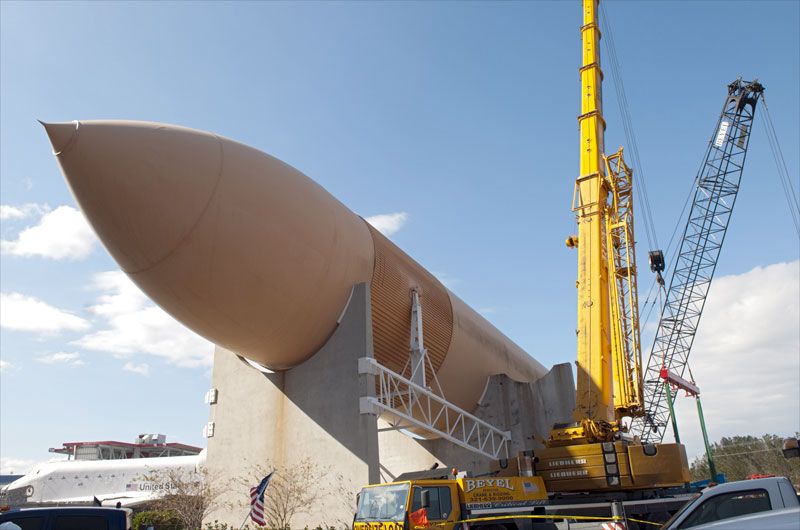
{"points": [[258, 258]]}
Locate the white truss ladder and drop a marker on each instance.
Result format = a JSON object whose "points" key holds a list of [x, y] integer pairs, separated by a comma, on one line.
{"points": [[407, 402]]}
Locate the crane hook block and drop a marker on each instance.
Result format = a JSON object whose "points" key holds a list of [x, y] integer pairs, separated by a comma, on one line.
{"points": [[656, 260]]}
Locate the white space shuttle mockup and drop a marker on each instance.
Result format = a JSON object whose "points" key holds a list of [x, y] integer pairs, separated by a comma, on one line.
{"points": [[104, 481]]}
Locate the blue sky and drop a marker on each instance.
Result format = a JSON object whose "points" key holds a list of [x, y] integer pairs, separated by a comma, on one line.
{"points": [[459, 115]]}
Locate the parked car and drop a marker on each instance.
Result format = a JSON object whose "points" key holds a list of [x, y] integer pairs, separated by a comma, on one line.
{"points": [[68, 518], [763, 504]]}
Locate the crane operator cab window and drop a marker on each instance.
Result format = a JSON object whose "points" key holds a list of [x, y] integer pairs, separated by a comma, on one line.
{"points": [[439, 503], [727, 505]]}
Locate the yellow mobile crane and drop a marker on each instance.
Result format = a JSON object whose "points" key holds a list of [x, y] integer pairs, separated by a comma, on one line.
{"points": [[591, 470], [595, 452]]}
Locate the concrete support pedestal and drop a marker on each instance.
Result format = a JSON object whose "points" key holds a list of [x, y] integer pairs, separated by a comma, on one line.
{"points": [[311, 414], [306, 414]]}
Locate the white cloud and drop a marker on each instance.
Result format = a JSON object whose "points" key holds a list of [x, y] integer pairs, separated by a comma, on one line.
{"points": [[19, 466], [141, 368], [26, 313], [135, 326], [388, 224], [63, 233], [447, 280], [72, 359], [21, 212], [5, 366], [16, 466], [746, 358]]}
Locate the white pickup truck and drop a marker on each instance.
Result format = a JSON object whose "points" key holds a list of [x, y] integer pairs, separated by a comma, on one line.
{"points": [[765, 503]]}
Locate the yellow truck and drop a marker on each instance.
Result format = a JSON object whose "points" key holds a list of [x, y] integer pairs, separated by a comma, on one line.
{"points": [[443, 501], [439, 499]]}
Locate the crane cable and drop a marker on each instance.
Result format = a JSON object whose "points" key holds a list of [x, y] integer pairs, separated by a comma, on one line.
{"points": [[627, 123], [668, 252], [780, 164], [638, 173], [783, 175]]}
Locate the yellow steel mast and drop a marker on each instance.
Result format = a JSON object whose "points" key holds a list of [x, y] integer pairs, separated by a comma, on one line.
{"points": [[594, 376], [608, 363]]}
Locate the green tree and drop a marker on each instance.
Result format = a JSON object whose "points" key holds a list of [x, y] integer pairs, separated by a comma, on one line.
{"points": [[742, 456]]}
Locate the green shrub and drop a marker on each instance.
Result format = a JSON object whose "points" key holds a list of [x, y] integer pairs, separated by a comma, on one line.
{"points": [[158, 519], [216, 525]]}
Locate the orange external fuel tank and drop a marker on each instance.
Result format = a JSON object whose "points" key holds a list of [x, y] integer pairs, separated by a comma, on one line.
{"points": [[258, 258]]}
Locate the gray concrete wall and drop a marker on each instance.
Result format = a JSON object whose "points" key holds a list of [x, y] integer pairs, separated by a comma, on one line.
{"points": [[311, 413], [529, 410]]}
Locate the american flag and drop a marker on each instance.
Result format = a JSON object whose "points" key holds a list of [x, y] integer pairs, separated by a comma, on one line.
{"points": [[257, 501]]}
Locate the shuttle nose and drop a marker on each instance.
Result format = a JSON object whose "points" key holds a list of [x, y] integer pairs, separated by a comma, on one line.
{"points": [[143, 186]]}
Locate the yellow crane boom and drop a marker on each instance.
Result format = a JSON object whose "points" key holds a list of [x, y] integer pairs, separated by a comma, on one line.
{"points": [[594, 381], [609, 359], [623, 295], [591, 454]]}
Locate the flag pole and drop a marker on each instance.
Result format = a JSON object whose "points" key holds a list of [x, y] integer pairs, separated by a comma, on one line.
{"points": [[252, 505], [246, 517]]}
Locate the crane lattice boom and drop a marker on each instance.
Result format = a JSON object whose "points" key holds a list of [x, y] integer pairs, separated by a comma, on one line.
{"points": [[715, 195]]}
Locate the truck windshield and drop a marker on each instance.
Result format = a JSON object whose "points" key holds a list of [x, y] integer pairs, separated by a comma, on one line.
{"points": [[383, 503]]}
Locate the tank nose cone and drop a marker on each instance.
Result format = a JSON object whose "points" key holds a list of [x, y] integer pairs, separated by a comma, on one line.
{"points": [[142, 186], [60, 134], [237, 245]]}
